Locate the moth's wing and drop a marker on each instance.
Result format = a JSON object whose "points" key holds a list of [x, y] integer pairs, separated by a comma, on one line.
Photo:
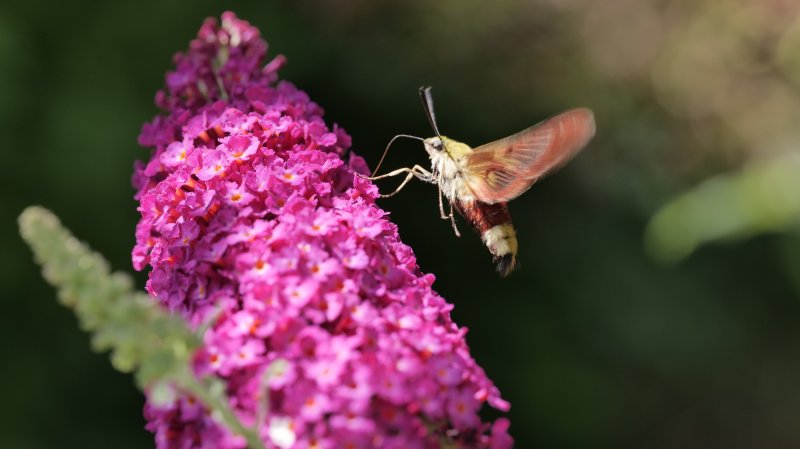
{"points": [[504, 169]]}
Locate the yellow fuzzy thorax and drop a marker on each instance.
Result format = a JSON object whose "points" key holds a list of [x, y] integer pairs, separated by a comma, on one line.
{"points": [[455, 149]]}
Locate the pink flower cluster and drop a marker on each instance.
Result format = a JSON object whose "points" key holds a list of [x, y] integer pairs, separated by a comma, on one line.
{"points": [[254, 224]]}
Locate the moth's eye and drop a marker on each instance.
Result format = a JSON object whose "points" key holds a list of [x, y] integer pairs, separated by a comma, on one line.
{"points": [[438, 145]]}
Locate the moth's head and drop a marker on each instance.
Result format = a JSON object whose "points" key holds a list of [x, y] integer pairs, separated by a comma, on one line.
{"points": [[434, 145]]}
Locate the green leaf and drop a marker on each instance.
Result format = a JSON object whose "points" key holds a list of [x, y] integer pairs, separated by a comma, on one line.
{"points": [[142, 336]]}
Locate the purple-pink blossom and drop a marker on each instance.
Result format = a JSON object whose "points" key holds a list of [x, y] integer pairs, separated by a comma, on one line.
{"points": [[255, 224]]}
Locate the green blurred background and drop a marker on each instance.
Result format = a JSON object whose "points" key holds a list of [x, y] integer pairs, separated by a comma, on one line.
{"points": [[595, 340]]}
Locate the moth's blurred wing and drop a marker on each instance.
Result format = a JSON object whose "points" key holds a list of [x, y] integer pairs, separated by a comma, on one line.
{"points": [[504, 169]]}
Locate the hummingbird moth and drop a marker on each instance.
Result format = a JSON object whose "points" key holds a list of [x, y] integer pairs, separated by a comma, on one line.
{"points": [[479, 182]]}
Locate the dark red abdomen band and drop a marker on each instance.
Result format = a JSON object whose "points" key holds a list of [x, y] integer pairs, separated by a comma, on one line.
{"points": [[484, 216]]}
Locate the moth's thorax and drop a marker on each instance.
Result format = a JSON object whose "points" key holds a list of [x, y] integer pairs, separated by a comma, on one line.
{"points": [[448, 166]]}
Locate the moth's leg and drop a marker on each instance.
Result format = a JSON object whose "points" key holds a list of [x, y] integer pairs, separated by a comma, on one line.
{"points": [[441, 205], [452, 216], [453, 220], [415, 171]]}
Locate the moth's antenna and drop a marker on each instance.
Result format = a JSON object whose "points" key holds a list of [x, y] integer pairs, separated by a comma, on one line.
{"points": [[377, 167], [427, 104]]}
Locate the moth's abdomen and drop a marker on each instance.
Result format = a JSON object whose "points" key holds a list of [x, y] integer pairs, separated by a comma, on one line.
{"points": [[493, 223], [502, 243]]}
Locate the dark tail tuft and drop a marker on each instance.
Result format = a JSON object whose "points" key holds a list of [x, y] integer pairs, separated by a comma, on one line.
{"points": [[505, 264]]}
